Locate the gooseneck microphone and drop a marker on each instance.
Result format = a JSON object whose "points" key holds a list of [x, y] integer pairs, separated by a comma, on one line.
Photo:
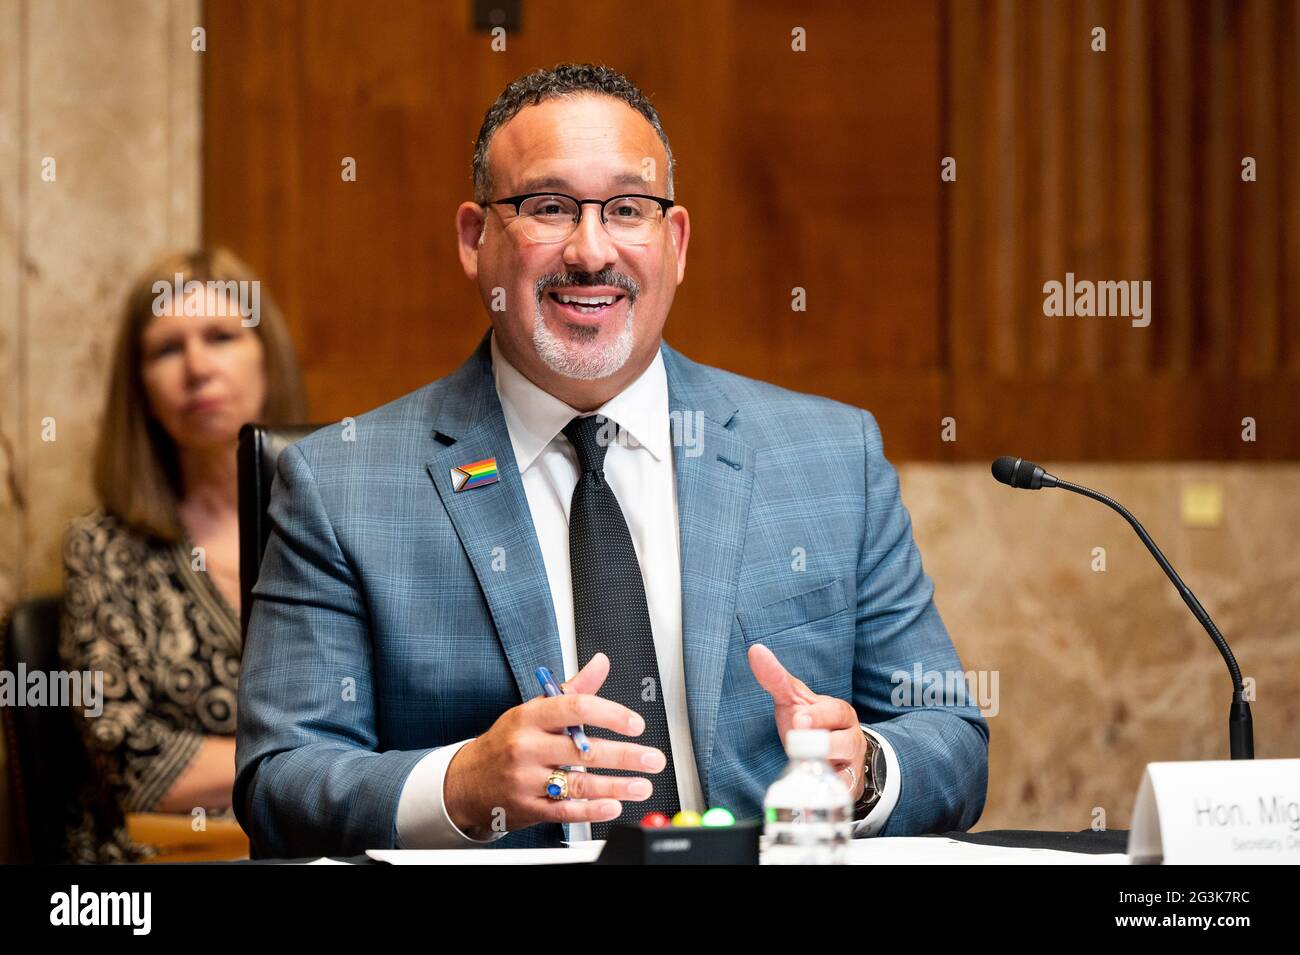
{"points": [[1017, 472]]}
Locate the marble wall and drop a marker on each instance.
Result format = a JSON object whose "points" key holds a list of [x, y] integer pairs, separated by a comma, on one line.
{"points": [[1102, 671], [100, 116]]}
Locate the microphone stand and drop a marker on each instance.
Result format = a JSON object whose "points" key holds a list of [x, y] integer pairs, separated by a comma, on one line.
{"points": [[1241, 733]]}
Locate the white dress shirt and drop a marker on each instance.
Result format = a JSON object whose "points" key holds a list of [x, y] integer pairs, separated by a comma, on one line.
{"points": [[639, 469]]}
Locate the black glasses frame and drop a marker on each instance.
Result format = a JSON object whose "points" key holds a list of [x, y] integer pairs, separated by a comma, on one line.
{"points": [[517, 201]]}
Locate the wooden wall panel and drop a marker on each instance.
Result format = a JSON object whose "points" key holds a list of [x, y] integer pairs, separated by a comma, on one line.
{"points": [[813, 169], [820, 170], [1122, 165]]}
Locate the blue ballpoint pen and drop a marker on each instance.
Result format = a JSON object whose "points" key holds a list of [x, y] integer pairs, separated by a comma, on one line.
{"points": [[551, 688]]}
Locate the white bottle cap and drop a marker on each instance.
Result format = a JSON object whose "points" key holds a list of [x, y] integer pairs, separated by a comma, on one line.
{"points": [[808, 744]]}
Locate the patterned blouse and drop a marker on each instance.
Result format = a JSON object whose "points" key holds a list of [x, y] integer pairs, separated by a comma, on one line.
{"points": [[169, 645]]}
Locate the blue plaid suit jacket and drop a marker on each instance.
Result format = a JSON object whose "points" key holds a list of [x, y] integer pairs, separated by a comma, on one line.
{"points": [[393, 616]]}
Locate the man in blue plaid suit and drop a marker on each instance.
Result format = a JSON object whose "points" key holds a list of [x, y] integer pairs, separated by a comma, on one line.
{"points": [[421, 567]]}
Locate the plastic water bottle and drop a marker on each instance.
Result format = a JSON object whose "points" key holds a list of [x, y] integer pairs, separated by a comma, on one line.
{"points": [[808, 810]]}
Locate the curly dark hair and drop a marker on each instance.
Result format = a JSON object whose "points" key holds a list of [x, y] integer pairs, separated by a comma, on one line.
{"points": [[565, 79]]}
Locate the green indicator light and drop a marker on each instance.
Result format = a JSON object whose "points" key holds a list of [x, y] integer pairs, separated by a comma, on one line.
{"points": [[718, 818]]}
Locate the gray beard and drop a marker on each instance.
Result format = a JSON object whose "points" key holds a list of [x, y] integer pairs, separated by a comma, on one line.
{"points": [[578, 358]]}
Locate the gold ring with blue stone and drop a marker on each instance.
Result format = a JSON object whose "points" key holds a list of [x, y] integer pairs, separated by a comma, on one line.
{"points": [[557, 784]]}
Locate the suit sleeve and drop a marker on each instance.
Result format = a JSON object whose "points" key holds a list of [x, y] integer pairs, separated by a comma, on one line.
{"points": [[309, 777], [941, 742]]}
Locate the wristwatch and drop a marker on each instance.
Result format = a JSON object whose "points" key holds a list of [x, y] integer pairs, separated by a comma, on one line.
{"points": [[874, 784]]}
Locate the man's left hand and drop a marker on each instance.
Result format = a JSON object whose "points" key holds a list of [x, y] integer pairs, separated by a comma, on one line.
{"points": [[798, 707]]}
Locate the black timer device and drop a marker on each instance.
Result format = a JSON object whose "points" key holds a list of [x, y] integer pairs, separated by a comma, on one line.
{"points": [[683, 845]]}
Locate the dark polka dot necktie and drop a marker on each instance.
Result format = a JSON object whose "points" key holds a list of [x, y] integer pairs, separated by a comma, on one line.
{"points": [[610, 614]]}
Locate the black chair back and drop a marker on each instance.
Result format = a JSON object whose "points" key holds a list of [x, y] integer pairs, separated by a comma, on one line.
{"points": [[47, 757], [259, 450]]}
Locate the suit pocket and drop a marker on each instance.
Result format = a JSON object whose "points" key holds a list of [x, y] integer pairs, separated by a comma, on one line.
{"points": [[798, 610]]}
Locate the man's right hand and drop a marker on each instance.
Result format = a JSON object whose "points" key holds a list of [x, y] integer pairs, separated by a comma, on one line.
{"points": [[499, 779]]}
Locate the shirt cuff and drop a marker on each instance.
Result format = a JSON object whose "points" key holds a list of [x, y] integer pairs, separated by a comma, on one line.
{"points": [[884, 807], [422, 819]]}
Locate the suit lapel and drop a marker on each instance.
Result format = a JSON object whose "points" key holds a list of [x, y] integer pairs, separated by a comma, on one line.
{"points": [[715, 475], [714, 472], [494, 523]]}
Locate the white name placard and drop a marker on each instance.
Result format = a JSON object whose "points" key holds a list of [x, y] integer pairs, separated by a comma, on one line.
{"points": [[1238, 811]]}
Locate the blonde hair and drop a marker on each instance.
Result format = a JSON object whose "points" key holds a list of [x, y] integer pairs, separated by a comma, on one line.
{"points": [[137, 469]]}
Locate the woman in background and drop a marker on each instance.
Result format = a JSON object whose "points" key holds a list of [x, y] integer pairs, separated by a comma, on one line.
{"points": [[152, 576]]}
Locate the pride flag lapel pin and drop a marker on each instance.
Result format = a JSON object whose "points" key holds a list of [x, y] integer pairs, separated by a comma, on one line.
{"points": [[476, 474]]}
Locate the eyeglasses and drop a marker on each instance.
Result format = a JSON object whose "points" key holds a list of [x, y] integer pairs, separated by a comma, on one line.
{"points": [[552, 216]]}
